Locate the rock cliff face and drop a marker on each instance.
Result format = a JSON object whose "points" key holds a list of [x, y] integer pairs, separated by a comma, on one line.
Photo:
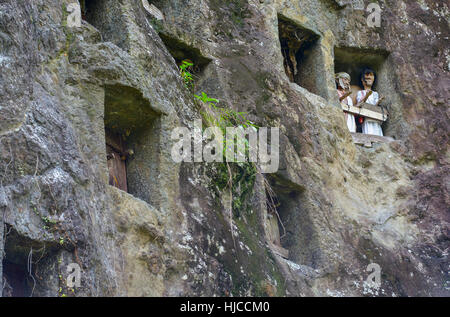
{"points": [[342, 206]]}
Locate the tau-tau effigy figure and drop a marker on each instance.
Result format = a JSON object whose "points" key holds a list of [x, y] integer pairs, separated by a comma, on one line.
{"points": [[344, 92], [367, 95]]}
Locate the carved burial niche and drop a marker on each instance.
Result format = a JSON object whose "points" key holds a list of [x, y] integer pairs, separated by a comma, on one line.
{"points": [[132, 139], [181, 51], [282, 201], [20, 260], [88, 9], [107, 17], [288, 225], [301, 55], [353, 61]]}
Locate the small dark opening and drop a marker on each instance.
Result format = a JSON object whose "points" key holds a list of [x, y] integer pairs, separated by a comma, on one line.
{"points": [[358, 124], [296, 232], [16, 280], [285, 219], [19, 264], [88, 7], [107, 17], [181, 51], [281, 211], [298, 47]]}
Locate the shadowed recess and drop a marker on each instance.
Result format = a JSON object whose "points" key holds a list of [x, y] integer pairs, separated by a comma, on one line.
{"points": [[126, 110], [132, 141], [302, 58], [22, 257], [181, 51], [295, 232], [353, 61]]}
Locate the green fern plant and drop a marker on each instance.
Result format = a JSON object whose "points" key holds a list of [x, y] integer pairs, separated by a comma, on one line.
{"points": [[216, 116], [187, 76]]}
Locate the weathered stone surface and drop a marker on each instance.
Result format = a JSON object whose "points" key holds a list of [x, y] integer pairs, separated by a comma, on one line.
{"points": [[345, 206]]}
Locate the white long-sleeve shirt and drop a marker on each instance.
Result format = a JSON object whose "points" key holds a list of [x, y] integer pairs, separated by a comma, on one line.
{"points": [[370, 126], [373, 98]]}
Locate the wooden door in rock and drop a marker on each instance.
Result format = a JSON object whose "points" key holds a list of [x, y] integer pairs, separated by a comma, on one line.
{"points": [[116, 157]]}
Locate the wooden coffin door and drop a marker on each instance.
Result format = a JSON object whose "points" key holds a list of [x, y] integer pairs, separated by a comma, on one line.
{"points": [[115, 150]]}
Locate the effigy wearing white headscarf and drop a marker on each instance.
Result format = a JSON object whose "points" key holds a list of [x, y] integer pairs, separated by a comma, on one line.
{"points": [[339, 79]]}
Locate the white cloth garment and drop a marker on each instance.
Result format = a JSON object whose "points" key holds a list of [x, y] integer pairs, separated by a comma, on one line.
{"points": [[370, 126], [373, 98], [349, 117]]}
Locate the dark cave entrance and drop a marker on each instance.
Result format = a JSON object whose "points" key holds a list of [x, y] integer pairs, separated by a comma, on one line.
{"points": [[107, 17], [181, 51], [88, 9], [277, 216], [21, 256], [301, 56], [287, 222], [16, 280], [204, 73], [289, 227], [132, 141]]}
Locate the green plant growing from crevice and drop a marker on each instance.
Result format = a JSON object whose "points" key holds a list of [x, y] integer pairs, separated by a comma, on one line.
{"points": [[223, 118], [188, 78], [48, 220], [230, 177], [204, 98]]}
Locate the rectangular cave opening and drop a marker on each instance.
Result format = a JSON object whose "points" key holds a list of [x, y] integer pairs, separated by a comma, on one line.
{"points": [[289, 226], [181, 51], [353, 61], [301, 53], [132, 141], [283, 212], [89, 8], [19, 263], [106, 16]]}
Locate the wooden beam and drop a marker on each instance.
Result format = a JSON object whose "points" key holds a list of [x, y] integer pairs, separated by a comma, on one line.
{"points": [[367, 110]]}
